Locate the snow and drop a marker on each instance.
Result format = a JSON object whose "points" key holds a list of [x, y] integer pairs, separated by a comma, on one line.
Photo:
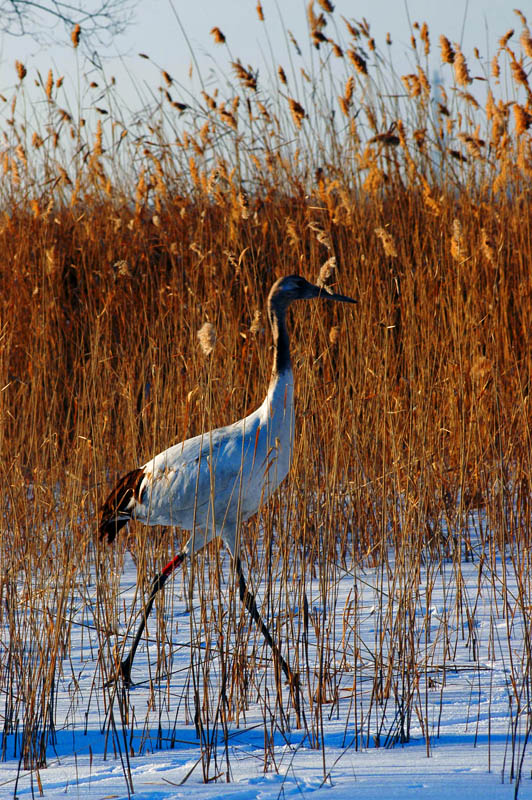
{"points": [[457, 768], [477, 739]]}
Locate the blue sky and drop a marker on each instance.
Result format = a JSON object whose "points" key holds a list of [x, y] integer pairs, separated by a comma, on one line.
{"points": [[158, 26]]}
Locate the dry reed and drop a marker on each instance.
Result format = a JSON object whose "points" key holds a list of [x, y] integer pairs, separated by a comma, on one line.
{"points": [[120, 246]]}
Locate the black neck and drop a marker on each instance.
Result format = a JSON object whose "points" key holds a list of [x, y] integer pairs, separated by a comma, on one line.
{"points": [[281, 343]]}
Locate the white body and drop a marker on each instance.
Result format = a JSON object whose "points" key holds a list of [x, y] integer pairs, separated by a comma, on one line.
{"points": [[209, 483]]}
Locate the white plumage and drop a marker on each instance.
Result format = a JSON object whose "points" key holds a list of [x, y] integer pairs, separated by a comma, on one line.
{"points": [[210, 483], [223, 476]]}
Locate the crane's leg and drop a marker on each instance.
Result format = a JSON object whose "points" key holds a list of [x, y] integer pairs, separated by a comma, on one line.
{"points": [[158, 583], [248, 600]]}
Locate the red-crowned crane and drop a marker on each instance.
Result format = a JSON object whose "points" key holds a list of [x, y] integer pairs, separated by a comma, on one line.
{"points": [[211, 483]]}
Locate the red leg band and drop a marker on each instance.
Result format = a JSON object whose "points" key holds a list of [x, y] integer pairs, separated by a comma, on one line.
{"points": [[173, 564]]}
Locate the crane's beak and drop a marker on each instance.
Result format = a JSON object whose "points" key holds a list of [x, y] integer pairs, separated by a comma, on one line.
{"points": [[326, 294]]}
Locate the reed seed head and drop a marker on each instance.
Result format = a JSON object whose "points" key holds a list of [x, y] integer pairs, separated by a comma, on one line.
{"points": [[75, 36], [245, 76], [21, 70], [344, 105], [357, 61], [424, 81], [207, 338], [412, 84], [49, 85], [487, 247], [349, 88], [457, 242], [227, 117], [424, 34], [121, 269], [297, 111], [243, 202], [388, 242], [526, 42], [321, 235], [419, 137], [461, 71], [473, 144], [447, 52], [503, 41], [217, 35], [254, 328], [326, 271], [21, 154], [523, 119], [519, 73], [334, 335]]}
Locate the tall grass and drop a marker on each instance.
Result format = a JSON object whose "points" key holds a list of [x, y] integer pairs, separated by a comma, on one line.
{"points": [[413, 441]]}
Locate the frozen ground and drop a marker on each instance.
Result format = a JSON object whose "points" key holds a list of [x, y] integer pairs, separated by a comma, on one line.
{"points": [[473, 734]]}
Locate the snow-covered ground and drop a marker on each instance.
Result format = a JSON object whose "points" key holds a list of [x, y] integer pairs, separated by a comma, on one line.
{"points": [[467, 737]]}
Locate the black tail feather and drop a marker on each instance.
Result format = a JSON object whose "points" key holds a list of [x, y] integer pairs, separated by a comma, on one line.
{"points": [[110, 528], [117, 508]]}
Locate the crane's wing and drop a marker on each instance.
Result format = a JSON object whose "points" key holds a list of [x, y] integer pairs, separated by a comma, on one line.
{"points": [[203, 477]]}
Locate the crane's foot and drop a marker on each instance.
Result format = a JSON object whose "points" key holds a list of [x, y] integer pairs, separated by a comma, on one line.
{"points": [[124, 672]]}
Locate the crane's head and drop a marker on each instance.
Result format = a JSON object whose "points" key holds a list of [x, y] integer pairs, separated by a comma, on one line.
{"points": [[294, 287]]}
